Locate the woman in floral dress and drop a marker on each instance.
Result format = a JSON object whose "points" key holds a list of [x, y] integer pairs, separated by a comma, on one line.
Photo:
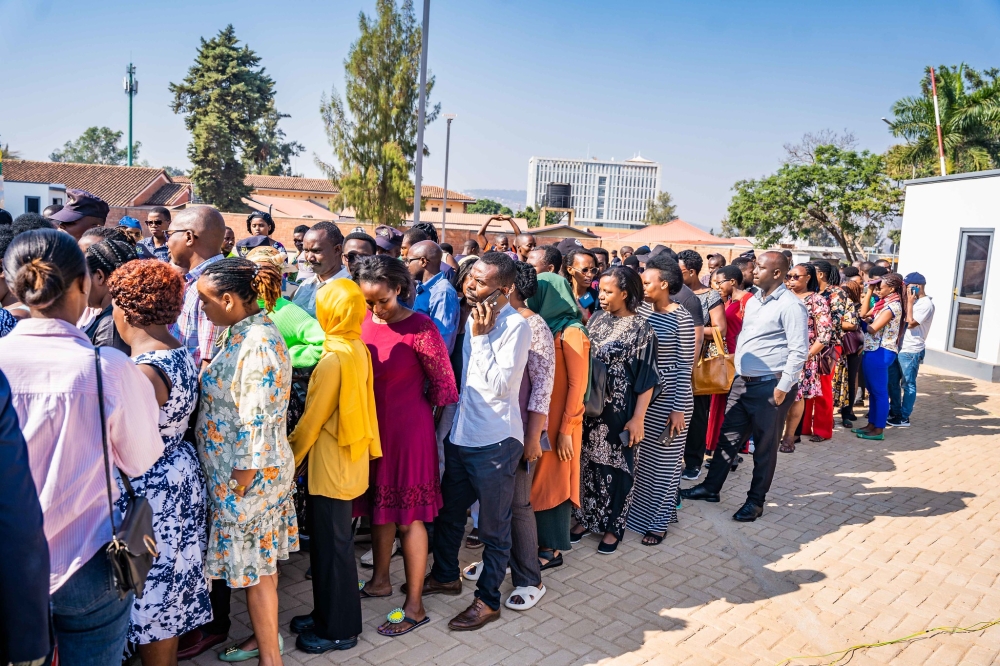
{"points": [[147, 297], [818, 417], [626, 344], [801, 280], [244, 449]]}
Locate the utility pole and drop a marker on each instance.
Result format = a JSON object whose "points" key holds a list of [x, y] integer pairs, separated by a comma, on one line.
{"points": [[421, 109], [131, 89], [447, 148]]}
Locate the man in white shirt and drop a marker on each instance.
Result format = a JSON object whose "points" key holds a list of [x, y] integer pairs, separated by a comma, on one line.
{"points": [[323, 249], [903, 373], [486, 441]]}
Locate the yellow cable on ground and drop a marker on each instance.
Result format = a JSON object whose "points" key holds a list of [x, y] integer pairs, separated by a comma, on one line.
{"points": [[841, 654]]}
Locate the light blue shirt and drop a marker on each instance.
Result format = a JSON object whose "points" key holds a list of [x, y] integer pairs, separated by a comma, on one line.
{"points": [[775, 337], [437, 299], [489, 410], [305, 295]]}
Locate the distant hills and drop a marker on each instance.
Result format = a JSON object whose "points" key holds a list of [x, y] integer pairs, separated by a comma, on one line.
{"points": [[513, 199]]}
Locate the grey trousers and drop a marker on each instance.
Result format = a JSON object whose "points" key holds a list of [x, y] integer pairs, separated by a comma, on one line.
{"points": [[525, 569]]}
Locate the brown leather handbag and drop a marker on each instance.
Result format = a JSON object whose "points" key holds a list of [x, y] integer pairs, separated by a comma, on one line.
{"points": [[713, 373]]}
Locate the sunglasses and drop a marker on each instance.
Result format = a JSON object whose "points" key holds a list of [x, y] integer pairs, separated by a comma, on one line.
{"points": [[354, 256], [794, 277], [587, 271]]}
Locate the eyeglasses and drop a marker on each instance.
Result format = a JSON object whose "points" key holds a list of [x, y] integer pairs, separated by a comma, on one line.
{"points": [[168, 232], [410, 260], [792, 276], [588, 271]]}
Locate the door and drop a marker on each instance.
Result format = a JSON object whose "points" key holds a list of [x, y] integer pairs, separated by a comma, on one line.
{"points": [[970, 288]]}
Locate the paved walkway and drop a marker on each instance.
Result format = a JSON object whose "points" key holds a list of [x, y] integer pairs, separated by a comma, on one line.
{"points": [[860, 541]]}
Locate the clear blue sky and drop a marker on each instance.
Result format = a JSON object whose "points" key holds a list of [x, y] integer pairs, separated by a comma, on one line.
{"points": [[710, 90]]}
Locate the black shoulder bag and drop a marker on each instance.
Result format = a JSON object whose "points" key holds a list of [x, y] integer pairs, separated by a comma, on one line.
{"points": [[132, 549]]}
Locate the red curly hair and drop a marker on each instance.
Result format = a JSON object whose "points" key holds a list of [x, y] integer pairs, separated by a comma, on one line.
{"points": [[150, 292]]}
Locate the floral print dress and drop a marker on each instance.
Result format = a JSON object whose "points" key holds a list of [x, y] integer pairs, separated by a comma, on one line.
{"points": [[841, 386], [175, 599], [821, 329], [241, 425]]}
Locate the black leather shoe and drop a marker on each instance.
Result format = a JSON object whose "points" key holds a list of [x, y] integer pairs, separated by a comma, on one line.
{"points": [[699, 492], [300, 624], [748, 513]]}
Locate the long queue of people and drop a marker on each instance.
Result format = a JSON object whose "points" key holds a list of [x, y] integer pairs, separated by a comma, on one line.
{"points": [[550, 394]]}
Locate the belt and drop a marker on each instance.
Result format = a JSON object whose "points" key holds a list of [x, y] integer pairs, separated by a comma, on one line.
{"points": [[762, 378]]}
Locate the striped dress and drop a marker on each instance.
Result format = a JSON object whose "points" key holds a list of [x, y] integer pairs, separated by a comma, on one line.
{"points": [[658, 468]]}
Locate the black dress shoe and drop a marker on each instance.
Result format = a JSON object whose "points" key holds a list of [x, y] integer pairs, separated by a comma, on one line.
{"points": [[699, 492], [748, 513]]}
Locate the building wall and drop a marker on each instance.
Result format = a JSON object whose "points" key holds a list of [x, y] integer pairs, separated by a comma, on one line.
{"points": [[323, 199], [453, 206], [935, 214], [603, 193], [15, 192]]}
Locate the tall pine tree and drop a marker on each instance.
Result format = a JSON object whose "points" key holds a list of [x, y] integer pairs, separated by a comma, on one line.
{"points": [[374, 137], [228, 101]]}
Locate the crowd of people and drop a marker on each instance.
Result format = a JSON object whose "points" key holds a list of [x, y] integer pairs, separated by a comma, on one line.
{"points": [[386, 385]]}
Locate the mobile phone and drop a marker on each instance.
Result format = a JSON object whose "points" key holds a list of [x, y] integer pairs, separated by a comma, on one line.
{"points": [[624, 437], [914, 289], [492, 299]]}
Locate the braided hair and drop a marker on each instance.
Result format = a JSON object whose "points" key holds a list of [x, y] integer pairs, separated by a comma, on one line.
{"points": [[249, 281], [895, 282], [108, 255], [526, 282]]}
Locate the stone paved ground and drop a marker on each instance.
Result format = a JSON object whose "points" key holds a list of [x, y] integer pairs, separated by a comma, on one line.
{"points": [[860, 541]]}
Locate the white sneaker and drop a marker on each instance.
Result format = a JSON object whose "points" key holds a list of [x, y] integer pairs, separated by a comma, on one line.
{"points": [[368, 559]]}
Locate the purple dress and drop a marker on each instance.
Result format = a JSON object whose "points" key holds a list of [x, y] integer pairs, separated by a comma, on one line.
{"points": [[412, 374]]}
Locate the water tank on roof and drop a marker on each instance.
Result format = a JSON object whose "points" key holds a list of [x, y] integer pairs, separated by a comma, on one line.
{"points": [[557, 195]]}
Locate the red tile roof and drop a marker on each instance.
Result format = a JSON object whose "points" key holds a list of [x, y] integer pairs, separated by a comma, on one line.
{"points": [[117, 185], [282, 207], [677, 231], [168, 194], [435, 192], [291, 183]]}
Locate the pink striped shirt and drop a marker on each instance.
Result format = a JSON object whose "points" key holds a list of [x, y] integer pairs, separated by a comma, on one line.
{"points": [[50, 366]]}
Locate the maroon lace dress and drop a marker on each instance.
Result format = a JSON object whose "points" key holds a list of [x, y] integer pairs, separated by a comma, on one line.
{"points": [[412, 374]]}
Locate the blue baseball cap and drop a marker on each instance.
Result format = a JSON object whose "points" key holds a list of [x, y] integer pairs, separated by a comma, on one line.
{"points": [[915, 278], [129, 222]]}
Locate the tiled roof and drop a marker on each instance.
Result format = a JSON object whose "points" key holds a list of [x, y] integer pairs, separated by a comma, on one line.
{"points": [[180, 179], [119, 186], [677, 231], [281, 207], [435, 192], [167, 194], [291, 183]]}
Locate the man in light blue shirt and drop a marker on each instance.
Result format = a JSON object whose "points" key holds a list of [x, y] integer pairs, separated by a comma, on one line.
{"points": [[770, 352], [436, 297], [486, 441], [323, 249]]}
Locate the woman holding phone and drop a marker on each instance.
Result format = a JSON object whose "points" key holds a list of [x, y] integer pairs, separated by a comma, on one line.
{"points": [[883, 335]]}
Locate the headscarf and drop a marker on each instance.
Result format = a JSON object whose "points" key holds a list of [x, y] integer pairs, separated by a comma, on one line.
{"points": [[340, 309], [556, 304]]}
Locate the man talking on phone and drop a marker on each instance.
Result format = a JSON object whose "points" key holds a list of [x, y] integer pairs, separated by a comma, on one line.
{"points": [[770, 352], [486, 442]]}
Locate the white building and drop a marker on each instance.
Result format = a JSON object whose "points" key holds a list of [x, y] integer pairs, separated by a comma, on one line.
{"points": [[31, 197], [604, 192], [949, 233]]}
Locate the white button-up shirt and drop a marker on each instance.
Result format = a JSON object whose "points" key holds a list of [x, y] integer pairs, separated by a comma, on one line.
{"points": [[492, 371], [53, 380], [775, 337]]}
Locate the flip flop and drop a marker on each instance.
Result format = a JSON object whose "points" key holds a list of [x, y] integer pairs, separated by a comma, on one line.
{"points": [[529, 594], [365, 594], [398, 616]]}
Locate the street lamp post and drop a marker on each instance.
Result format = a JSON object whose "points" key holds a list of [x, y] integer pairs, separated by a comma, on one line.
{"points": [[421, 113], [447, 148], [131, 89]]}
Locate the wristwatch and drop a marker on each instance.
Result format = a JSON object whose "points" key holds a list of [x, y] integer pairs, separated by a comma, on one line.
{"points": [[235, 486]]}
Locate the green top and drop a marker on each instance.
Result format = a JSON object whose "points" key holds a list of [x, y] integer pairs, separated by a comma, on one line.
{"points": [[302, 333], [556, 304]]}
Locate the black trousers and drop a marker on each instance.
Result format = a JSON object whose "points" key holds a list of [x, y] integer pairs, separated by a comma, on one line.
{"points": [[694, 445], [336, 602], [751, 411], [853, 362], [221, 598], [485, 473]]}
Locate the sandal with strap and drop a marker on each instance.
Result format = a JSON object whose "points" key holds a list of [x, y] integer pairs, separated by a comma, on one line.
{"points": [[552, 560], [365, 594], [787, 447], [529, 596], [398, 616], [472, 541], [656, 539]]}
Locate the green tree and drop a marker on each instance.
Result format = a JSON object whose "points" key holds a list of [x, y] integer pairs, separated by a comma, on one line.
{"points": [[174, 171], [489, 207], [97, 145], [843, 193], [661, 209], [227, 99], [373, 129], [530, 214], [969, 104]]}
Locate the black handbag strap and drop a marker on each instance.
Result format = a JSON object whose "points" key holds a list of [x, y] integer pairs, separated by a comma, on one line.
{"points": [[104, 443]]}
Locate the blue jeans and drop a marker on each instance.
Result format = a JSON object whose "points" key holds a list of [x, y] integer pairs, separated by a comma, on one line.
{"points": [[903, 379], [484, 473], [876, 364], [90, 621]]}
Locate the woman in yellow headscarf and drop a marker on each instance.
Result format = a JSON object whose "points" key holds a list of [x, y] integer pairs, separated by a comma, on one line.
{"points": [[340, 431]]}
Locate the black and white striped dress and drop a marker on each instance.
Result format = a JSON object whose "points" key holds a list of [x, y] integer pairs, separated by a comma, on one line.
{"points": [[658, 468]]}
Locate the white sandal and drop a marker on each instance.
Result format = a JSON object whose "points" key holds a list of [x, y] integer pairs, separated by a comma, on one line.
{"points": [[475, 570], [530, 596]]}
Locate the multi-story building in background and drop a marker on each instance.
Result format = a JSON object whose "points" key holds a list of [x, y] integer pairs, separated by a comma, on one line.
{"points": [[603, 192]]}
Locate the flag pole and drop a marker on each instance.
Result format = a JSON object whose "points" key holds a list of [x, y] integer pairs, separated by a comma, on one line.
{"points": [[937, 121]]}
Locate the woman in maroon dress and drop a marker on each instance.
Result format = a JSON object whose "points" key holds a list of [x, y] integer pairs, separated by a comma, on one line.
{"points": [[727, 281], [413, 377]]}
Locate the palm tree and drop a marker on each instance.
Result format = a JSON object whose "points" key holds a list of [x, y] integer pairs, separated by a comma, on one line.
{"points": [[8, 154], [969, 103]]}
